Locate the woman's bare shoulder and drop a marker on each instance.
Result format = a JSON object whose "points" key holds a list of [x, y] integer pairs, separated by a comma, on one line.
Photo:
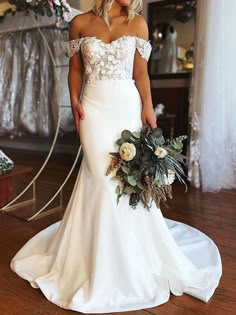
{"points": [[139, 25], [81, 21]]}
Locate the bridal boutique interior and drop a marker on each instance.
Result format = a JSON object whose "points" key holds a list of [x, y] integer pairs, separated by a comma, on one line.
{"points": [[191, 71]]}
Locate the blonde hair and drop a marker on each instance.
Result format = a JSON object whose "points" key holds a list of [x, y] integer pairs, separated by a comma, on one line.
{"points": [[101, 8]]}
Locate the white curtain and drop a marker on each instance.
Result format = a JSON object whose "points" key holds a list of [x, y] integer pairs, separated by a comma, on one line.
{"points": [[212, 159]]}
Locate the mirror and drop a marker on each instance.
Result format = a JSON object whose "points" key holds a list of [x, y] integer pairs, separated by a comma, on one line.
{"points": [[171, 29]]}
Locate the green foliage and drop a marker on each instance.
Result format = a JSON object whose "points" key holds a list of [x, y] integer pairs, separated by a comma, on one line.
{"points": [[42, 8], [131, 180]]}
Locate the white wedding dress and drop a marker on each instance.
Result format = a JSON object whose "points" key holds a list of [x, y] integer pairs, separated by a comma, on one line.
{"points": [[103, 257]]}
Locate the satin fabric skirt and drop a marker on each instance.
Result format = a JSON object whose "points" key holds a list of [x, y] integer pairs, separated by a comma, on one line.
{"points": [[103, 257]]}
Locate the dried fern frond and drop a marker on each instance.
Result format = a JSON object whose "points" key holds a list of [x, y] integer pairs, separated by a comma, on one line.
{"points": [[146, 195], [168, 191], [146, 198], [149, 180], [158, 195], [115, 164]]}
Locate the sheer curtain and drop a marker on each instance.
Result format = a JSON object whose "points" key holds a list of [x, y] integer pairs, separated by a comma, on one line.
{"points": [[212, 159]]}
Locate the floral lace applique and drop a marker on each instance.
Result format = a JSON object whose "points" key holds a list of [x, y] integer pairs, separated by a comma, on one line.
{"points": [[144, 48], [109, 61], [73, 46]]}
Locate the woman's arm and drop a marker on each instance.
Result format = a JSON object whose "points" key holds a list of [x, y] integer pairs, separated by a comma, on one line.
{"points": [[75, 76], [141, 78]]}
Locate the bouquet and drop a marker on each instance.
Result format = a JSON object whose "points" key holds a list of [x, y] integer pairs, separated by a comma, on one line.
{"points": [[146, 165]]}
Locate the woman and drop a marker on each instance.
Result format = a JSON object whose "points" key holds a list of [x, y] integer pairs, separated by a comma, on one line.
{"points": [[103, 257]]}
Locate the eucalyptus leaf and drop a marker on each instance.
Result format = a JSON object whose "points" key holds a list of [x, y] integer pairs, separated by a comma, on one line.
{"points": [[136, 134], [120, 141], [117, 190], [157, 132], [159, 140], [125, 169], [131, 180], [126, 134]]}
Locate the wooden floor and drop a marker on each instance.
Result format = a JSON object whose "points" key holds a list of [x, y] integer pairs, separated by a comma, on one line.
{"points": [[214, 214]]}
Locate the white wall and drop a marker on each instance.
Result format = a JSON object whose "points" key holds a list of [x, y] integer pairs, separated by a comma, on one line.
{"points": [[82, 5], [85, 5], [145, 7]]}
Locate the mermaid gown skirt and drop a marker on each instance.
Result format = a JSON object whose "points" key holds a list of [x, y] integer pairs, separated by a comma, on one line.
{"points": [[103, 257]]}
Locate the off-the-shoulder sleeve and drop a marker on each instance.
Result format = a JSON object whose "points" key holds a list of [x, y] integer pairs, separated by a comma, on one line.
{"points": [[73, 46], [144, 47]]}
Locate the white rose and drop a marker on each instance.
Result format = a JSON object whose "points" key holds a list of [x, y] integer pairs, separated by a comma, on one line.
{"points": [[160, 152], [127, 151], [171, 177]]}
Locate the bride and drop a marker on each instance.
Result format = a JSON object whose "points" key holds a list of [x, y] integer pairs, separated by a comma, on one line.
{"points": [[103, 257]]}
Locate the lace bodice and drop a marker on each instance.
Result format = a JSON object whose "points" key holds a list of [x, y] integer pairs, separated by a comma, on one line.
{"points": [[109, 61]]}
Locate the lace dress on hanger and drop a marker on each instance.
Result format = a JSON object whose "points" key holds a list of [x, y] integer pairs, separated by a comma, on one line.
{"points": [[103, 257]]}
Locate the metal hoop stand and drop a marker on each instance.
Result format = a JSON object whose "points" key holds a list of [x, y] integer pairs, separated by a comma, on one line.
{"points": [[11, 205]]}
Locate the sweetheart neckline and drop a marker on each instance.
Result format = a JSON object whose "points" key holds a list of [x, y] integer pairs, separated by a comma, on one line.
{"points": [[114, 40]]}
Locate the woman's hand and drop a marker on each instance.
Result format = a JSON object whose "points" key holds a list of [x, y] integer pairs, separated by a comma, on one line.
{"points": [[149, 116], [78, 114]]}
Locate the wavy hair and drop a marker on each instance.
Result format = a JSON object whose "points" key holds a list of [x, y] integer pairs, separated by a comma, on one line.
{"points": [[101, 8]]}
